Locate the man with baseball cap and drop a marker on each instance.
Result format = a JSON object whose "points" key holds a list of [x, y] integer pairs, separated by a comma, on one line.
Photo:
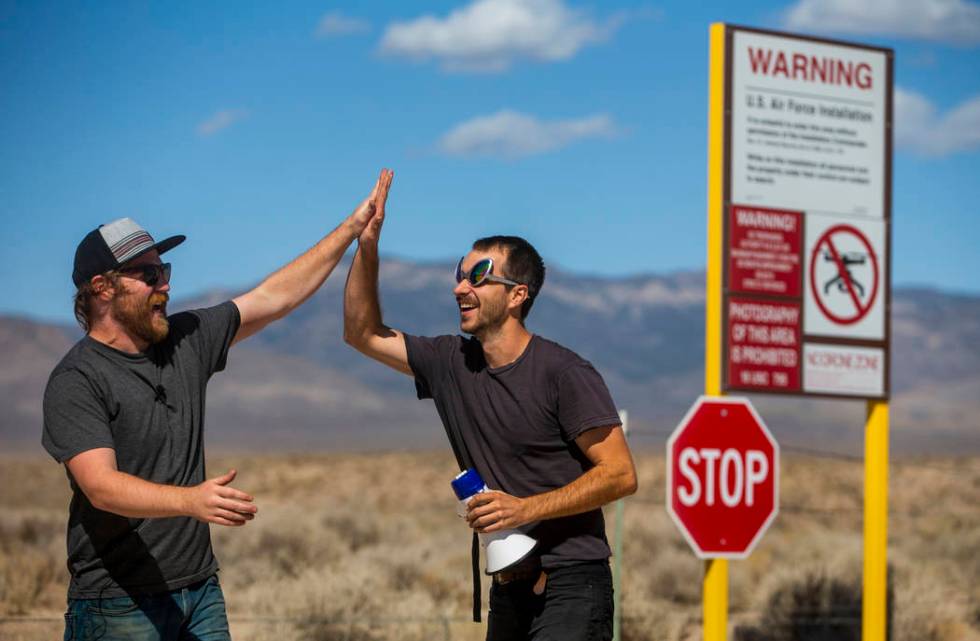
{"points": [[124, 411]]}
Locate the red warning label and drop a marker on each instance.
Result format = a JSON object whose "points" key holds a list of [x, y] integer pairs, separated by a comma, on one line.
{"points": [[763, 345], [764, 251]]}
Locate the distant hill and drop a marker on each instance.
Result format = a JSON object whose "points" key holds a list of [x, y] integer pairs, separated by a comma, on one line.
{"points": [[297, 386]]}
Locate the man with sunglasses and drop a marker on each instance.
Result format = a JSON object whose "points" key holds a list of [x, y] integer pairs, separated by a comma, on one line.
{"points": [[533, 418], [124, 411]]}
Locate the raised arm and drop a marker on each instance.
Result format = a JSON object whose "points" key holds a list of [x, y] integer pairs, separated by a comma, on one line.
{"points": [[110, 490], [364, 329], [290, 286], [611, 477]]}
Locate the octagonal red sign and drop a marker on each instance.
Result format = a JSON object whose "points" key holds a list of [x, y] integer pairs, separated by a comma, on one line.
{"points": [[722, 477]]}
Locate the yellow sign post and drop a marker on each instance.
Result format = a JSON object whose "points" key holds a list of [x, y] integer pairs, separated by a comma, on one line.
{"points": [[874, 610], [715, 588]]}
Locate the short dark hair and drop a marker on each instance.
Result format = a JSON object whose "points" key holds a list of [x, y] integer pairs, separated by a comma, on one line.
{"points": [[524, 264]]}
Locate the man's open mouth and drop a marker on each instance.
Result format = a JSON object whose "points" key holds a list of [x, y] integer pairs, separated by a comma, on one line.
{"points": [[159, 306]]}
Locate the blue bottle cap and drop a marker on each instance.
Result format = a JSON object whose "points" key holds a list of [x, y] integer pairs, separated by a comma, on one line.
{"points": [[467, 483]]}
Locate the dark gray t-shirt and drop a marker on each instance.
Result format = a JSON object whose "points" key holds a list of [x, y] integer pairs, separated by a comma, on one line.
{"points": [[149, 408], [519, 423]]}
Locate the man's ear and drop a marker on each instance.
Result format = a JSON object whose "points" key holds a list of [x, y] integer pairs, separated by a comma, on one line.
{"points": [[518, 294], [102, 287]]}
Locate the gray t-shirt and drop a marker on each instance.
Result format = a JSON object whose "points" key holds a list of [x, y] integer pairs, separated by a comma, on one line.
{"points": [[149, 408], [519, 424]]}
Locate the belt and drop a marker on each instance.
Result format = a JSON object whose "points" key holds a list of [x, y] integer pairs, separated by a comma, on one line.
{"points": [[525, 571]]}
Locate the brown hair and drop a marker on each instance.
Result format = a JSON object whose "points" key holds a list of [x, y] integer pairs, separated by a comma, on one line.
{"points": [[86, 294], [524, 264]]}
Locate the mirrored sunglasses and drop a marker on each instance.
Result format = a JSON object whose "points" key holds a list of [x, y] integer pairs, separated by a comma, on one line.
{"points": [[482, 272]]}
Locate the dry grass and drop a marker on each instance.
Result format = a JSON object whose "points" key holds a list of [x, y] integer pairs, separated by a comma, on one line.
{"points": [[367, 547]]}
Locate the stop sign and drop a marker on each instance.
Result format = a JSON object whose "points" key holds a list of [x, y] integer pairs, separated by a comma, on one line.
{"points": [[722, 477]]}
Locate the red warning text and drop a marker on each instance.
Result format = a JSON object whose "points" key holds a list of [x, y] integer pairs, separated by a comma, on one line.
{"points": [[763, 345], [764, 251], [818, 69]]}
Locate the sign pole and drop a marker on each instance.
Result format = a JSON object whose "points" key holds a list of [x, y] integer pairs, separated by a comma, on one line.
{"points": [[715, 585], [715, 607], [874, 611]]}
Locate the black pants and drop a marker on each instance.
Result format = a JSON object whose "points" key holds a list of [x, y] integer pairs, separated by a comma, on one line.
{"points": [[577, 605]]}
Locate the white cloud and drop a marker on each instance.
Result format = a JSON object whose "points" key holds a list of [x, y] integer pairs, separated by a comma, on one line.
{"points": [[921, 129], [510, 134], [490, 35], [221, 120], [337, 24], [951, 21]]}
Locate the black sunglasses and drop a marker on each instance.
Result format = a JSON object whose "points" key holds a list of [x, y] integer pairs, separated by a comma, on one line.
{"points": [[149, 273]]}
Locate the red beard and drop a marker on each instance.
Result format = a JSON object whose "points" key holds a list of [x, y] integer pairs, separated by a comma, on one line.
{"points": [[138, 316]]}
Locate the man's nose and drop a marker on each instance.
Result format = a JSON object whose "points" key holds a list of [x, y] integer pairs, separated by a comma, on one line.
{"points": [[462, 288]]}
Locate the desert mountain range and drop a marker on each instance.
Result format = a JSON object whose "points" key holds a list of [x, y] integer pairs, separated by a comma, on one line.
{"points": [[297, 386]]}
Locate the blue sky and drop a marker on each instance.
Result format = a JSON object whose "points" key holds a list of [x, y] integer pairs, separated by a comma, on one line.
{"points": [[255, 128]]}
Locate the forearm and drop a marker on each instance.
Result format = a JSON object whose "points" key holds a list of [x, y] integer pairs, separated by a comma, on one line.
{"points": [[291, 285], [362, 309], [598, 486], [131, 496]]}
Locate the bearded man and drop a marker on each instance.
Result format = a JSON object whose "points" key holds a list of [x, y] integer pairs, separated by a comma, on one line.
{"points": [[124, 411], [536, 421]]}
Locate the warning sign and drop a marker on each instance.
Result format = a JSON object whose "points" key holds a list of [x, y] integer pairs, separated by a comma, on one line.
{"points": [[764, 251], [799, 214], [808, 124], [829, 250], [844, 273], [763, 344]]}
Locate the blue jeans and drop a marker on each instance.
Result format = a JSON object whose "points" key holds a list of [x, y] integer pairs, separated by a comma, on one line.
{"points": [[576, 605], [194, 613]]}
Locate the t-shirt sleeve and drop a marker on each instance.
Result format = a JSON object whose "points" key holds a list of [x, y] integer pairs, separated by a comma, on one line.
{"points": [[428, 357], [75, 416], [584, 401], [213, 334]]}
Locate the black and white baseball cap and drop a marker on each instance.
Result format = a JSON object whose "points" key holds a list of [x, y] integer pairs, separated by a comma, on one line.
{"points": [[110, 246]]}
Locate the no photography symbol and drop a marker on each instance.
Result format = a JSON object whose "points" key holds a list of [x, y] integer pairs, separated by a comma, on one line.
{"points": [[837, 246]]}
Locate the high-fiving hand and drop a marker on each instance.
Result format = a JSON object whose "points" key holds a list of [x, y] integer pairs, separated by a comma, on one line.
{"points": [[369, 215]]}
